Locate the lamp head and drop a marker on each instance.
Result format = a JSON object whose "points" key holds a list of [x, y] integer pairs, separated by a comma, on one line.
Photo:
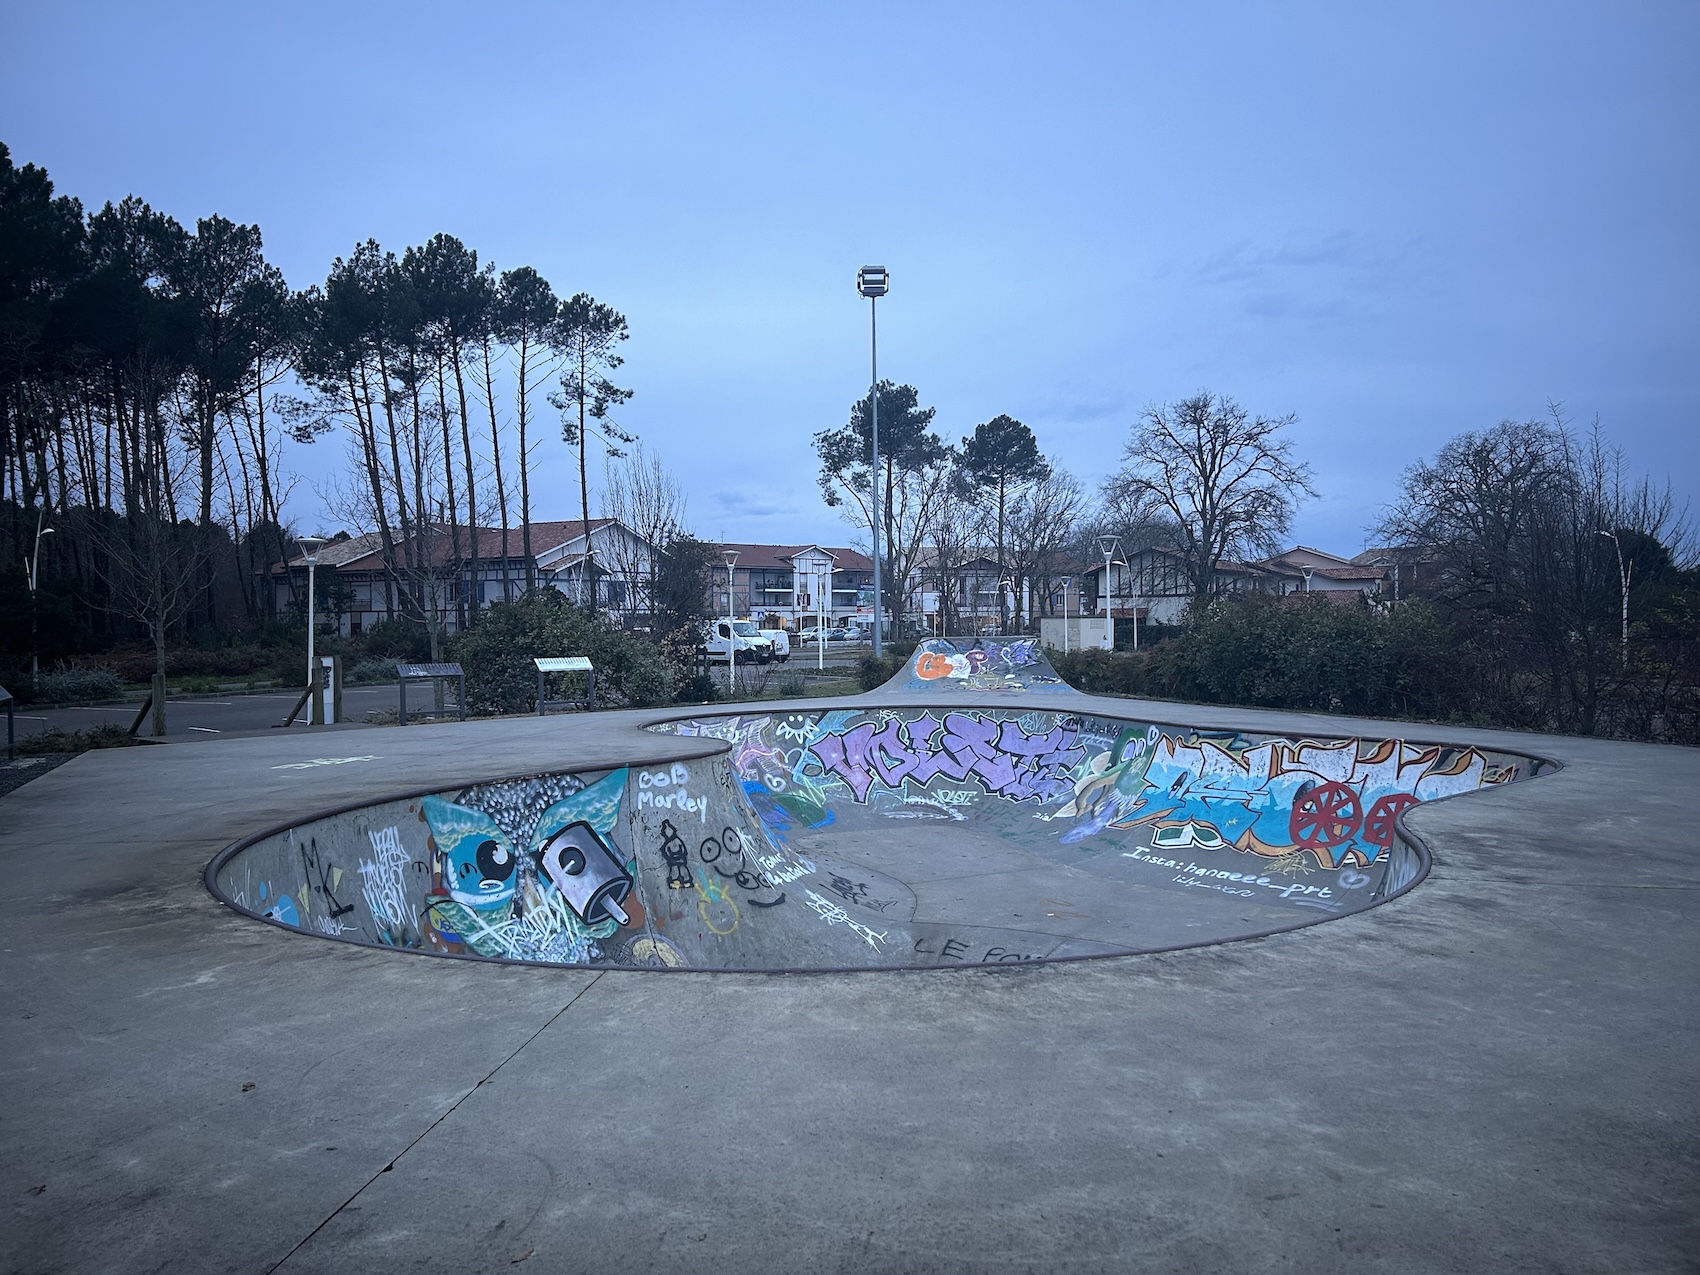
{"points": [[310, 546], [873, 281]]}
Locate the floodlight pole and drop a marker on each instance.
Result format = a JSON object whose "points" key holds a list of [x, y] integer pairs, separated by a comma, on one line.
{"points": [[873, 282]]}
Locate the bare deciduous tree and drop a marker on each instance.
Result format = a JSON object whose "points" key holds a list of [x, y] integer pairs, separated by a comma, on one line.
{"points": [[638, 491], [1225, 478], [1042, 527]]}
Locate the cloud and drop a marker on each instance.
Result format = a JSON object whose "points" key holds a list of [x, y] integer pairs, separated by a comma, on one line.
{"points": [[1324, 278], [748, 503]]}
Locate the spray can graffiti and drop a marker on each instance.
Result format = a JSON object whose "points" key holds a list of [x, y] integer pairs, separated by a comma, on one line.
{"points": [[593, 882]]}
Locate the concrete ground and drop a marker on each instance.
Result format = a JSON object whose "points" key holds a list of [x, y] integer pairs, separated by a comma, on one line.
{"points": [[1498, 1072]]}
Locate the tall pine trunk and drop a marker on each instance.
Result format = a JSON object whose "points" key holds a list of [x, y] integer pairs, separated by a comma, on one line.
{"points": [[458, 354], [496, 457]]}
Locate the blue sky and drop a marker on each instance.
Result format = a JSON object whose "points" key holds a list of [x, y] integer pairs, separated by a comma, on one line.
{"points": [[1395, 222]]}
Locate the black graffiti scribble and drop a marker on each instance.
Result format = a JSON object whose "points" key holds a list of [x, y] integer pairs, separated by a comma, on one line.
{"points": [[729, 846], [313, 866], [677, 856], [856, 892]]}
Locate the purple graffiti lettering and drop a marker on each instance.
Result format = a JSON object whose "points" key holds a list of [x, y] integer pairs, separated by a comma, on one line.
{"points": [[1000, 756]]}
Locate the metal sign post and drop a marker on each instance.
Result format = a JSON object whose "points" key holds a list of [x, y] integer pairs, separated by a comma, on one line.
{"points": [[434, 673], [564, 664]]}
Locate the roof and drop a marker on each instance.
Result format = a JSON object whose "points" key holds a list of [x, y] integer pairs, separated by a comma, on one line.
{"points": [[1365, 572], [365, 552], [1298, 553], [778, 557]]}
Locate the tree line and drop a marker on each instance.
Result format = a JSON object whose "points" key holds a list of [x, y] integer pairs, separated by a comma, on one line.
{"points": [[153, 376], [1202, 477], [1532, 580]]}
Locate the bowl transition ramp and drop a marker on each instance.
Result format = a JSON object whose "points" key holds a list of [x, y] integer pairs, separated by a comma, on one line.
{"points": [[970, 667], [874, 837]]}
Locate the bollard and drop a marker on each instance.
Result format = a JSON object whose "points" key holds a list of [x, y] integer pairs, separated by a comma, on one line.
{"points": [[327, 694]]}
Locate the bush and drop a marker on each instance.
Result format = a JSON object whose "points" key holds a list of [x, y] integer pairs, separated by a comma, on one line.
{"points": [[68, 686], [1307, 654], [873, 674], [792, 685], [1099, 672], [136, 664], [497, 655], [397, 639], [369, 673], [698, 688], [54, 740]]}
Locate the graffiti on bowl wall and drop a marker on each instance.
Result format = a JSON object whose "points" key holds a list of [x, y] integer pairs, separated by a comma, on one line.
{"points": [[982, 664], [1333, 802], [798, 846]]}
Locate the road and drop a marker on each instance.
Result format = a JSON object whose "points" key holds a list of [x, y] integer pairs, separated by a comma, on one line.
{"points": [[210, 717]]}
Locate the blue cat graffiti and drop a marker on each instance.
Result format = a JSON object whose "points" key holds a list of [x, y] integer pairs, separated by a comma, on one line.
{"points": [[554, 903]]}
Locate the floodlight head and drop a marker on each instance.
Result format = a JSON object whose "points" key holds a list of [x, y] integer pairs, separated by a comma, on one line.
{"points": [[873, 281]]}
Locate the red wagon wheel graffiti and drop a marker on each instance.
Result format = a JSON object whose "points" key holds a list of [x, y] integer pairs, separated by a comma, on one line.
{"points": [[1325, 816], [1378, 824]]}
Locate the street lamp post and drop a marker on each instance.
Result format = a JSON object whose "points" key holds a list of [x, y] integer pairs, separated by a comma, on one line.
{"points": [[1065, 583], [731, 624], [41, 529], [1107, 545], [1623, 574], [820, 618], [873, 283], [310, 546]]}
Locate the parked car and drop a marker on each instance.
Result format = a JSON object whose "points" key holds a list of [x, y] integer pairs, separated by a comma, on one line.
{"points": [[814, 633], [724, 637], [781, 643]]}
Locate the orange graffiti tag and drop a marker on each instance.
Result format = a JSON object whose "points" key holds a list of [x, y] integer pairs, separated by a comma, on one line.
{"points": [[932, 666]]}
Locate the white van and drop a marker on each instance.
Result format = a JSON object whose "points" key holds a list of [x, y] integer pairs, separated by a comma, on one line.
{"points": [[781, 643], [725, 636]]}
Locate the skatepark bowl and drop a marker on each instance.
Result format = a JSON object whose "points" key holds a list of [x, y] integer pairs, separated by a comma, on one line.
{"points": [[976, 811]]}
